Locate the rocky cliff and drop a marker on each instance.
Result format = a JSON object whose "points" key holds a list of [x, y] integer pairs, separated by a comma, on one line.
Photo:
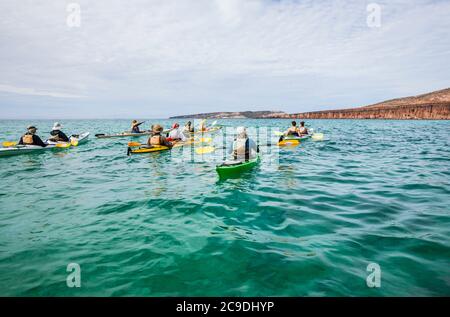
{"points": [[433, 106]]}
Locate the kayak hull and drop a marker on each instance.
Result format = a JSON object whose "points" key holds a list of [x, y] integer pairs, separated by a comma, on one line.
{"points": [[24, 149], [235, 170], [144, 150], [74, 140], [299, 138], [121, 135]]}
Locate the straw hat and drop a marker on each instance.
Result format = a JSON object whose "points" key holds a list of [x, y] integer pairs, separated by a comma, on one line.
{"points": [[157, 128]]}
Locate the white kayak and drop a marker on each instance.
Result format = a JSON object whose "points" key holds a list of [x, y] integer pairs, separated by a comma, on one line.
{"points": [[75, 139], [27, 149], [24, 149]]}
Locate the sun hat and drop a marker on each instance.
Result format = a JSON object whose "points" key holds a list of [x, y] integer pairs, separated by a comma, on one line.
{"points": [[157, 128], [241, 132], [57, 126]]}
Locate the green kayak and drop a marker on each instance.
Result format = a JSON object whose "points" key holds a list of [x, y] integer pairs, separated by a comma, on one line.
{"points": [[235, 168]]}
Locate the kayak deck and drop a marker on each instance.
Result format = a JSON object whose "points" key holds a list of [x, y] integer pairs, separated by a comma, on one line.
{"points": [[147, 149], [235, 168]]}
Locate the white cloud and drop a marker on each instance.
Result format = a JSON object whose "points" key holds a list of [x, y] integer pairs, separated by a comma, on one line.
{"points": [[34, 92], [201, 55]]}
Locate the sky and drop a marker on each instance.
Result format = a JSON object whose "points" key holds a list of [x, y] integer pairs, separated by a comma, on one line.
{"points": [[159, 58]]}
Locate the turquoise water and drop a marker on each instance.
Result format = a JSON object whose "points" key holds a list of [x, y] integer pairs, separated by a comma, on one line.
{"points": [[307, 222]]}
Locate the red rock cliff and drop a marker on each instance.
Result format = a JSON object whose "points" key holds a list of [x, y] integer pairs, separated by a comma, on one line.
{"points": [[435, 106]]}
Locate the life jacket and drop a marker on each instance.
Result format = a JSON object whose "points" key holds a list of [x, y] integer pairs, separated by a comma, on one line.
{"points": [[156, 140], [55, 136], [242, 150], [27, 138]]}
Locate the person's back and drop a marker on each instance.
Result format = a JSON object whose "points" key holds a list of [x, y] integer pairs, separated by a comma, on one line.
{"points": [[292, 130], [243, 147], [57, 135], [176, 134], [188, 127], [157, 139], [30, 138], [135, 126], [302, 129]]}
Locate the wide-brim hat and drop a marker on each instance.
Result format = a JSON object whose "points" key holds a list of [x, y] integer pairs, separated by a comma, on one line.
{"points": [[57, 126], [157, 128]]}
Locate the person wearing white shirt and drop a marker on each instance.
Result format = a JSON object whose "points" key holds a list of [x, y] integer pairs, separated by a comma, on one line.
{"points": [[176, 134]]}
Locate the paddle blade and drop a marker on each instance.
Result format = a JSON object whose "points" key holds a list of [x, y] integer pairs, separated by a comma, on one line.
{"points": [[63, 145], [317, 136], [278, 133], [205, 140], [289, 143], [9, 143], [74, 142], [134, 144], [205, 150]]}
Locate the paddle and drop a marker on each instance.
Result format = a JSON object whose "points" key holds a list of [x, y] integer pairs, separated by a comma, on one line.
{"points": [[9, 143], [205, 150], [278, 133], [289, 143], [132, 144], [317, 136], [63, 145], [205, 140]]}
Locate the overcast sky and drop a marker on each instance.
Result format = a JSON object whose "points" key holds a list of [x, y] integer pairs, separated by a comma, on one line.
{"points": [[154, 59]]}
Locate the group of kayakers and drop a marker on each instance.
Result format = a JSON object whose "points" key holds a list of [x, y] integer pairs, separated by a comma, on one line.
{"points": [[31, 138], [173, 135], [242, 147], [294, 130]]}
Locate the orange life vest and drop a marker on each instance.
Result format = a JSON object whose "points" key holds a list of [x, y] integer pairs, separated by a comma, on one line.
{"points": [[155, 140], [28, 139]]}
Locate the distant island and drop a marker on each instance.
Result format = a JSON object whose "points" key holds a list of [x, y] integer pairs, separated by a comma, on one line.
{"points": [[430, 106]]}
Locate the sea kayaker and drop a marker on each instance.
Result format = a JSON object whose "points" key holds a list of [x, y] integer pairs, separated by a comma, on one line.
{"points": [[135, 126], [293, 129], [157, 139], [243, 147], [57, 135], [30, 138], [176, 134], [202, 125], [188, 128], [302, 129]]}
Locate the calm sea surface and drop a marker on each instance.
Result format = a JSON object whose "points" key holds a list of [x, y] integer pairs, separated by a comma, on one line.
{"points": [[306, 222]]}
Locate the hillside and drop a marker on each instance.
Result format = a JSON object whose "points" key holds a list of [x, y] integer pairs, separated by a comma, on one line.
{"points": [[432, 106]]}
